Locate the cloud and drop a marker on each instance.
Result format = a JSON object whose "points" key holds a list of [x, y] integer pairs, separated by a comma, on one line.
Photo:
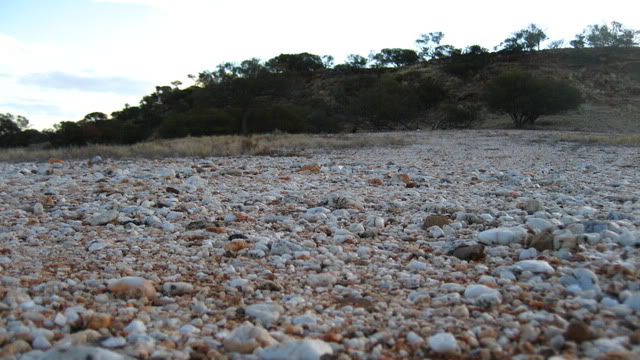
{"points": [[33, 108], [68, 81]]}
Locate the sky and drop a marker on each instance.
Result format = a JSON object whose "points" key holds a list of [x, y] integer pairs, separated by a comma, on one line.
{"points": [[63, 59]]}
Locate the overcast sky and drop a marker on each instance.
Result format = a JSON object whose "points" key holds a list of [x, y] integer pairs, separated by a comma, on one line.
{"points": [[62, 59]]}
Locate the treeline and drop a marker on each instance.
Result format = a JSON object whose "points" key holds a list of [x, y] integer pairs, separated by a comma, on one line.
{"points": [[309, 93]]}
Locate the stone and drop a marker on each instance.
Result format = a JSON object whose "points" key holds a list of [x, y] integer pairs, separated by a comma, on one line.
{"points": [[502, 236], [532, 206], [104, 218], [81, 353], [541, 241], [265, 313], [633, 301], [321, 280], [99, 321], [535, 266], [578, 331], [246, 338], [136, 327], [132, 287], [177, 288], [483, 295], [113, 342], [305, 349], [469, 252], [435, 220], [582, 279], [443, 343]]}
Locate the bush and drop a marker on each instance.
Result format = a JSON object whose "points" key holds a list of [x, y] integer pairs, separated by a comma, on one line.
{"points": [[387, 104], [468, 65], [198, 122], [525, 98], [451, 116]]}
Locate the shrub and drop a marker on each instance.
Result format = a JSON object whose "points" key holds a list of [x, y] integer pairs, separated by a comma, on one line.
{"points": [[387, 104], [468, 65], [452, 116], [198, 122], [525, 98]]}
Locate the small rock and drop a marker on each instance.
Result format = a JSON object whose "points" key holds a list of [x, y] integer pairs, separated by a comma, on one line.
{"points": [[305, 349], [113, 342], [578, 331], [177, 289], [435, 220], [321, 280], [502, 236], [266, 313], [99, 321], [81, 353], [136, 327], [104, 218], [132, 287], [469, 252], [246, 338], [443, 343], [483, 295], [535, 266], [532, 206]]}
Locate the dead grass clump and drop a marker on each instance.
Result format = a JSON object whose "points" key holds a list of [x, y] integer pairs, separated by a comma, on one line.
{"points": [[266, 144], [622, 140]]}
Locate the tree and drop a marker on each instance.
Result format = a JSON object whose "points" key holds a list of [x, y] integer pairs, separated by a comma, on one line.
{"points": [[475, 50], [579, 42], [395, 56], [328, 61], [525, 98], [12, 130], [527, 39], [599, 36], [303, 62], [428, 42], [357, 61], [556, 44], [95, 116]]}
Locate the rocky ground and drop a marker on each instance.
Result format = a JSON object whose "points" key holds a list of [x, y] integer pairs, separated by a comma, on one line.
{"points": [[466, 244]]}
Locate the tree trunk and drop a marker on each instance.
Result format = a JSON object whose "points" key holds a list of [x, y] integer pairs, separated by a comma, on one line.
{"points": [[245, 122]]}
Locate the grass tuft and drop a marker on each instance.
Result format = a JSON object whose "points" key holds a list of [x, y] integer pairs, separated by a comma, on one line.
{"points": [[200, 147], [622, 140]]}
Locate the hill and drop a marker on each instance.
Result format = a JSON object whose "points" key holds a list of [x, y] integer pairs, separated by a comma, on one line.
{"points": [[297, 93]]}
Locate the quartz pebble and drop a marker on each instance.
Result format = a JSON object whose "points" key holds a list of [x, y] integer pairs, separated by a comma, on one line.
{"points": [[306, 349], [443, 343]]}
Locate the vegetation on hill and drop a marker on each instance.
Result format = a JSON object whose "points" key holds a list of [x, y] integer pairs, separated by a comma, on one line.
{"points": [[438, 86]]}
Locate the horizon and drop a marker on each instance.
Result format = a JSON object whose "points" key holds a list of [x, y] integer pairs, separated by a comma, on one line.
{"points": [[66, 59]]}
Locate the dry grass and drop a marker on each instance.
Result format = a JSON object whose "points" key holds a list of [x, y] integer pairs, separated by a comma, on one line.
{"points": [[622, 140], [268, 144]]}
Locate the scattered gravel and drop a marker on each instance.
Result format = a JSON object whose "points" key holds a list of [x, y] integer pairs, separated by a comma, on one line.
{"points": [[468, 245]]}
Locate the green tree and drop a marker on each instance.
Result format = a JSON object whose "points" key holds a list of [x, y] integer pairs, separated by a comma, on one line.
{"points": [[95, 116], [387, 104], [356, 61], [396, 57], [12, 130], [427, 43], [599, 36], [301, 63], [525, 97], [528, 39]]}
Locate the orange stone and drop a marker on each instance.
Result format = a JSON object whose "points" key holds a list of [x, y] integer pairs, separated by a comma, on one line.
{"points": [[99, 321], [236, 245], [132, 287], [310, 168], [55, 161]]}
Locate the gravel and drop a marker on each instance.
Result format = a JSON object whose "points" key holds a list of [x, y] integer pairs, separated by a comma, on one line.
{"points": [[465, 244]]}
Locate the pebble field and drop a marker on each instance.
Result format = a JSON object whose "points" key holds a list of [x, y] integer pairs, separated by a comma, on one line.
{"points": [[460, 245]]}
